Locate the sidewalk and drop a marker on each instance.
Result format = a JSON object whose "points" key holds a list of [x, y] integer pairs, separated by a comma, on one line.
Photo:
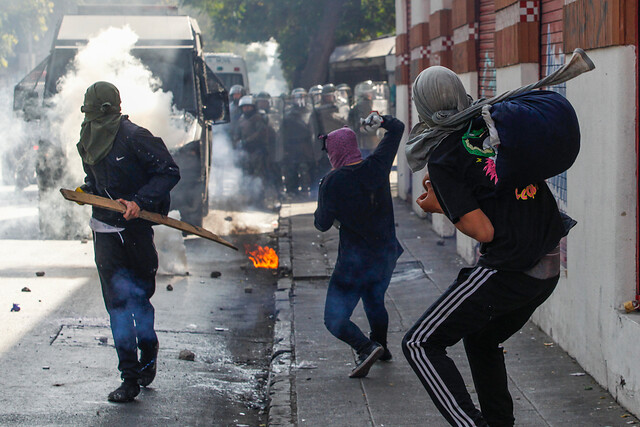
{"points": [[309, 383]]}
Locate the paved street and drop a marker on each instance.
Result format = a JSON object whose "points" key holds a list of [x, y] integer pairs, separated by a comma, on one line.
{"points": [[57, 361], [310, 385], [262, 354]]}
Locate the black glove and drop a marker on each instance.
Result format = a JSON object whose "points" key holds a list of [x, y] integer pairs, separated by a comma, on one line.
{"points": [[387, 119]]}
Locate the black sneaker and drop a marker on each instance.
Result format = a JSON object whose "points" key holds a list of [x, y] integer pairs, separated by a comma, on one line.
{"points": [[148, 367], [366, 359], [386, 356], [127, 391]]}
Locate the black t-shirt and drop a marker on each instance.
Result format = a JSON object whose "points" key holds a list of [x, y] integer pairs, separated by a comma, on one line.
{"points": [[359, 197], [526, 221]]}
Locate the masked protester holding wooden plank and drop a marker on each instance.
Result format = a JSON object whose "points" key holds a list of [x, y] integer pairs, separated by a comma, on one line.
{"points": [[125, 162], [355, 196], [510, 210]]}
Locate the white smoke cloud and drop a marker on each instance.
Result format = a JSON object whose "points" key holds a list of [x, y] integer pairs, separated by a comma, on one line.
{"points": [[107, 57], [267, 76]]}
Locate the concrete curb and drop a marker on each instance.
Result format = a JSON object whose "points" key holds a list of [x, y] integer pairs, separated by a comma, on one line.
{"points": [[280, 387]]}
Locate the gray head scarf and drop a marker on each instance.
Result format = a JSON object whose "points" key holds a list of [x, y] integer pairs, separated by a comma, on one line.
{"points": [[438, 94], [440, 100]]}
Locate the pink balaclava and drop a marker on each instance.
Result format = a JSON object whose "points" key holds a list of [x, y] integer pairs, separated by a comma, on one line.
{"points": [[342, 147]]}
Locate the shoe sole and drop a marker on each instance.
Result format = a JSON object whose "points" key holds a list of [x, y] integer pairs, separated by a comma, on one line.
{"points": [[362, 370]]}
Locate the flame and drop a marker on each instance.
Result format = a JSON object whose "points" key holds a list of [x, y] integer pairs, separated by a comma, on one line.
{"points": [[262, 256]]}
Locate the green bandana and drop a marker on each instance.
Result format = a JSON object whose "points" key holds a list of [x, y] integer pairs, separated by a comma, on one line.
{"points": [[101, 122]]}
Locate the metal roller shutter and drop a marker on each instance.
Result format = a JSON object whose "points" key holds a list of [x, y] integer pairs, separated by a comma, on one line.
{"points": [[551, 54], [486, 63]]}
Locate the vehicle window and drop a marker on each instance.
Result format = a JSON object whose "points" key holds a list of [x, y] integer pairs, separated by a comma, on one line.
{"points": [[230, 79], [174, 68]]}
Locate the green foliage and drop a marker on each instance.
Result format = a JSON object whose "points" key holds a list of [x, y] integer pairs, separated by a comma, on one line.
{"points": [[20, 21], [294, 24]]}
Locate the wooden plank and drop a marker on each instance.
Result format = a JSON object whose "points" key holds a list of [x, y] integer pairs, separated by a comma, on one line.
{"points": [[112, 205], [593, 24]]}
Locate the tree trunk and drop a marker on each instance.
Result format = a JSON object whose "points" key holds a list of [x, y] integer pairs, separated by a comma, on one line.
{"points": [[321, 46]]}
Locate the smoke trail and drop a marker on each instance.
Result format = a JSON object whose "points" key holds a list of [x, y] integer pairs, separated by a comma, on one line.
{"points": [[229, 186], [172, 253]]}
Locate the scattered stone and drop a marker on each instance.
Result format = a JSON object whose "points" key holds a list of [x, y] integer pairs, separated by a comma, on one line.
{"points": [[39, 273], [248, 290], [440, 242], [228, 218], [16, 307], [102, 340], [215, 274], [169, 287], [25, 289], [83, 241], [187, 355], [306, 365]]}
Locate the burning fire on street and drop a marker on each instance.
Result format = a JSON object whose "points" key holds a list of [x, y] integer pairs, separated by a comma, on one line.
{"points": [[262, 256]]}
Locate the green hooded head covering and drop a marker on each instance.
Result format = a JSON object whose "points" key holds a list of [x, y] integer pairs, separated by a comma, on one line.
{"points": [[102, 116]]}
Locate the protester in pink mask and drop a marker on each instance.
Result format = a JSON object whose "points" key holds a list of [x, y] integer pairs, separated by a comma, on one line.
{"points": [[355, 196]]}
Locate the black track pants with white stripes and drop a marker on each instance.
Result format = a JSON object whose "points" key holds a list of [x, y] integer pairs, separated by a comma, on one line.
{"points": [[483, 307]]}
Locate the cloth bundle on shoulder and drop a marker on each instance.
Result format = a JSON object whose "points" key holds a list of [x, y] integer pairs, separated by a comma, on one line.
{"points": [[539, 137]]}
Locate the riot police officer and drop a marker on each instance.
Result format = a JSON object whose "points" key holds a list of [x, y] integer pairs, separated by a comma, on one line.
{"points": [[250, 137], [298, 137], [363, 106], [236, 92]]}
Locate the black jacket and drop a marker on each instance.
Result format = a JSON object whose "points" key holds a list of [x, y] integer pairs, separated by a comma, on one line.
{"points": [[138, 168]]}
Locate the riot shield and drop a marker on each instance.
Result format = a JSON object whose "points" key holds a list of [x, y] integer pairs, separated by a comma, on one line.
{"points": [[369, 96], [274, 116], [301, 153]]}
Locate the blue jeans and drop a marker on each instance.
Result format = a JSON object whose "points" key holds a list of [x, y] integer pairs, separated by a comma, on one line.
{"points": [[342, 299], [127, 264]]}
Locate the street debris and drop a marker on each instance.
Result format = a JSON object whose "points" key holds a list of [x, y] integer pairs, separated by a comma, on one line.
{"points": [[39, 273], [102, 340], [548, 344], [306, 365], [215, 274], [187, 355], [83, 241], [221, 329], [578, 374], [169, 287], [248, 290], [46, 368], [16, 307], [630, 306], [440, 242], [228, 218], [25, 289]]}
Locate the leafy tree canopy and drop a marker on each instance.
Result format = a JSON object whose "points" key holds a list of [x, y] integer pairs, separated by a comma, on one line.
{"points": [[22, 20], [306, 30]]}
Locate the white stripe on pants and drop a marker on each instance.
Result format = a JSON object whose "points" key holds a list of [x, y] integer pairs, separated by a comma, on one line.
{"points": [[428, 325]]}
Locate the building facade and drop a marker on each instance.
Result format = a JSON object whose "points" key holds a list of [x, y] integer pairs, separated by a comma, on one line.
{"points": [[499, 45]]}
